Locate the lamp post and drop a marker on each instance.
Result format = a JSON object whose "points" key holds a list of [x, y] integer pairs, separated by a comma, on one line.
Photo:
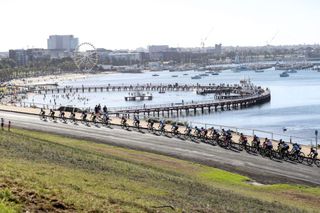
{"points": [[316, 133]]}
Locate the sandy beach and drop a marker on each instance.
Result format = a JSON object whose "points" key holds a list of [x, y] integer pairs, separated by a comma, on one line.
{"points": [[52, 79]]}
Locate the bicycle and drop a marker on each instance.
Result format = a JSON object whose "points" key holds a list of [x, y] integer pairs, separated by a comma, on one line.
{"points": [[124, 125], [311, 158], [175, 132], [187, 133], [296, 156], [136, 124], [162, 130], [43, 116]]}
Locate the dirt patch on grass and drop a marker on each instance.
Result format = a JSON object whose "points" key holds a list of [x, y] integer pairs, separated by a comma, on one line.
{"points": [[31, 201], [312, 200]]}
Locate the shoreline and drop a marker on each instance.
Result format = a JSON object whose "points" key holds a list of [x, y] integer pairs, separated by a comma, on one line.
{"points": [[51, 79]]}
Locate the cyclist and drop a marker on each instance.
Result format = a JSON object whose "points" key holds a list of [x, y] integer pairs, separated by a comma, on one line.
{"points": [[94, 117], [188, 130], [62, 116], [84, 116], [161, 125], [204, 132], [174, 128], [136, 121], [313, 153], [295, 148], [60, 112], [106, 118], [268, 144], [73, 117], [256, 142], [42, 114], [51, 114], [283, 147], [243, 139], [197, 131], [123, 121], [150, 124], [215, 135]]}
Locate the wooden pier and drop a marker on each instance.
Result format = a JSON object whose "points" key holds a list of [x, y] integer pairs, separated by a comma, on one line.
{"points": [[167, 110], [223, 88], [226, 97]]}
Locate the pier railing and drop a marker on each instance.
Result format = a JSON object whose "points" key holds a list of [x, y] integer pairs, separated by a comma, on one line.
{"points": [[260, 133], [190, 103], [247, 131]]}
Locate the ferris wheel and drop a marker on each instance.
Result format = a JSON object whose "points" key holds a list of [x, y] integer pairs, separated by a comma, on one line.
{"points": [[85, 57]]}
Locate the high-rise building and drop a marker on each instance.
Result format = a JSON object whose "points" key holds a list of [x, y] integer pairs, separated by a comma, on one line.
{"points": [[62, 42], [218, 49]]}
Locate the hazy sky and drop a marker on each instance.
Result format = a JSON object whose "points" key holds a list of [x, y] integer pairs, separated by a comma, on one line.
{"points": [[116, 24]]}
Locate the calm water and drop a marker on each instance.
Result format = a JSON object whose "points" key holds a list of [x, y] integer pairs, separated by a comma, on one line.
{"points": [[295, 101]]}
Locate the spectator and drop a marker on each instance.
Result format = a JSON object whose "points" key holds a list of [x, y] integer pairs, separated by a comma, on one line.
{"points": [[2, 123], [9, 126]]}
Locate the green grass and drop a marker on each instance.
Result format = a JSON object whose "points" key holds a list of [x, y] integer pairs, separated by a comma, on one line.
{"points": [[52, 172]]}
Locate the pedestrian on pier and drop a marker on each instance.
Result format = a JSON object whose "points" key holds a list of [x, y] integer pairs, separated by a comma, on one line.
{"points": [[2, 123]]}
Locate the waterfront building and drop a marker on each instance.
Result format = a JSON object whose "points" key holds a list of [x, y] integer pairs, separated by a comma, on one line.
{"points": [[23, 57]]}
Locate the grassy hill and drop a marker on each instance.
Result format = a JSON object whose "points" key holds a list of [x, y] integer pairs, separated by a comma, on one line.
{"points": [[45, 172]]}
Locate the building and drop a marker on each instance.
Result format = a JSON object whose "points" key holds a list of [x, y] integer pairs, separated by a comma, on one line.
{"points": [[158, 48], [19, 56], [124, 57], [218, 49], [156, 52], [37, 54], [62, 42]]}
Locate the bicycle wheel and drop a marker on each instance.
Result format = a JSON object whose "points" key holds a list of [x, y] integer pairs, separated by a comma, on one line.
{"points": [[301, 157], [309, 161], [317, 162]]}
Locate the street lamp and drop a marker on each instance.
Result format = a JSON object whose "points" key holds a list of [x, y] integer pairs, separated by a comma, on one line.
{"points": [[316, 133]]}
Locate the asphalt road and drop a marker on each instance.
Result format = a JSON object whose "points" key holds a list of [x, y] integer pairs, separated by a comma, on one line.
{"points": [[260, 169]]}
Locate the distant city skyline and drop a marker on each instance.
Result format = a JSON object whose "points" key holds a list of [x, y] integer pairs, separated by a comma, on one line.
{"points": [[125, 24]]}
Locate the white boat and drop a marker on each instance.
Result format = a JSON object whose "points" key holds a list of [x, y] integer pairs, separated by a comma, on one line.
{"points": [[174, 76], [155, 75]]}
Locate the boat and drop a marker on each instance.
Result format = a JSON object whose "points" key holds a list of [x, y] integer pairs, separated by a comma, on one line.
{"points": [[204, 74], [196, 77], [240, 68], [214, 73], [259, 70], [185, 74], [284, 74], [292, 71], [174, 76], [155, 75]]}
